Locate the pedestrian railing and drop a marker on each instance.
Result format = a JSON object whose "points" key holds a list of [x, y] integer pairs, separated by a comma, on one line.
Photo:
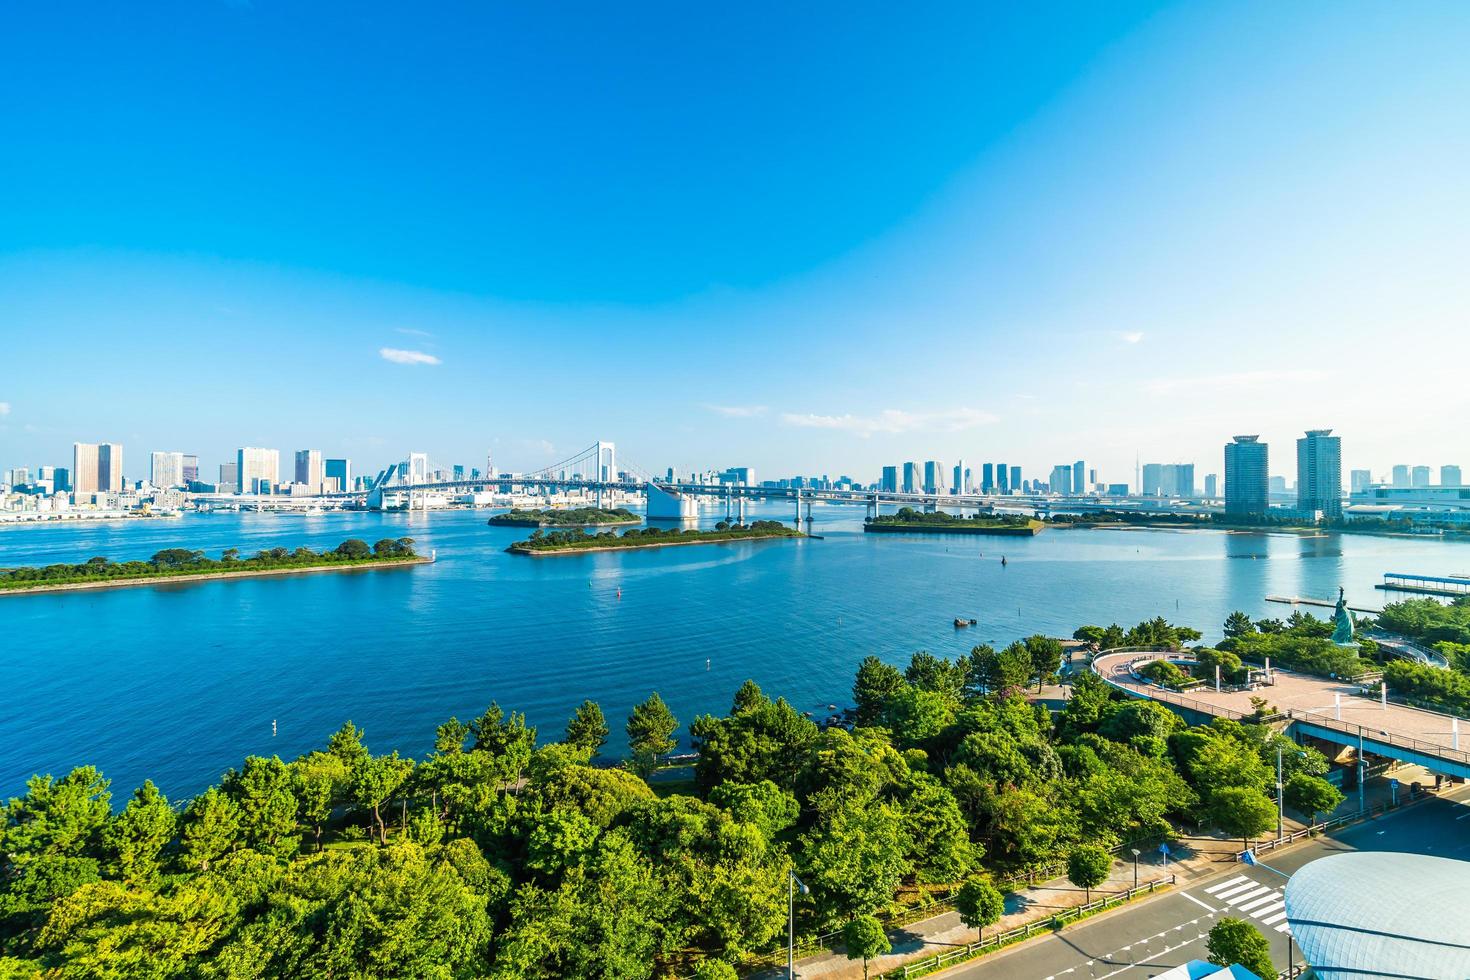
{"points": [[1021, 933], [1333, 823]]}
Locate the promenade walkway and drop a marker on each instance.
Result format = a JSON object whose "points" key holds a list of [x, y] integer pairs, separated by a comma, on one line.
{"points": [[1333, 710]]}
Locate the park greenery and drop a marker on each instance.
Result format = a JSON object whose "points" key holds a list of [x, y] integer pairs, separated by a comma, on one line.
{"points": [[551, 542], [501, 854], [1285, 520], [906, 518], [1302, 643], [1446, 628], [566, 517], [171, 562], [1236, 941]]}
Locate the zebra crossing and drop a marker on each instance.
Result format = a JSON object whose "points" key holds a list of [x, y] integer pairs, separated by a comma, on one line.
{"points": [[1264, 903]]}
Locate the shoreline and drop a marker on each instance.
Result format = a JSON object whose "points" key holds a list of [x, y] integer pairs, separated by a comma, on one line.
{"points": [[552, 552], [493, 522], [213, 576], [1001, 530]]}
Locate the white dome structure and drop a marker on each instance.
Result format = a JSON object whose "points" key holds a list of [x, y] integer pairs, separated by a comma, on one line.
{"points": [[1382, 914]]}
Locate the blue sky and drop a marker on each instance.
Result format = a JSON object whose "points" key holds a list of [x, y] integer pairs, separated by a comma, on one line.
{"points": [[815, 239]]}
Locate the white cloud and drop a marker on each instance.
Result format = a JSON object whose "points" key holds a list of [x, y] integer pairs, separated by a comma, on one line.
{"points": [[413, 331], [4, 409], [1237, 381], [892, 421], [1131, 336], [396, 356], [737, 411]]}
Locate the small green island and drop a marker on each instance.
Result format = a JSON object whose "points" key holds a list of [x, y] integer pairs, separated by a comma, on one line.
{"points": [[939, 522], [570, 517], [185, 565], [543, 543]]}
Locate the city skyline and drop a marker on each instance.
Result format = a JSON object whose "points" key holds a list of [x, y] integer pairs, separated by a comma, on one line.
{"points": [[1082, 234]]}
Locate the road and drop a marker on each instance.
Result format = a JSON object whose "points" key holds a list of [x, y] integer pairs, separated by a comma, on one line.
{"points": [[1154, 936]]}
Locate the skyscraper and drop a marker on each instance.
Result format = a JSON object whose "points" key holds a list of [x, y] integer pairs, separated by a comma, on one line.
{"points": [[1419, 476], [166, 469], [987, 478], [1360, 480], [1183, 479], [110, 467], [97, 468], [259, 470], [1247, 462], [912, 478], [339, 470], [1153, 480], [933, 476], [1079, 477], [1015, 484], [309, 468], [84, 468], [1319, 473], [1212, 486], [1449, 476], [1061, 479], [889, 481], [1400, 475], [191, 468], [229, 478], [958, 484], [1003, 484]]}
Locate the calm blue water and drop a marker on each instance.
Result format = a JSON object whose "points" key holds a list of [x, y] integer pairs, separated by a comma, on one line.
{"points": [[178, 683]]}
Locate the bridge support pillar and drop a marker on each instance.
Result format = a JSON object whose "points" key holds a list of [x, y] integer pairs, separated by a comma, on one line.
{"points": [[740, 509], [873, 508], [798, 510]]}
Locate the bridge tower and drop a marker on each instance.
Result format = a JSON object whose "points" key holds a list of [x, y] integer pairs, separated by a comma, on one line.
{"points": [[873, 507]]}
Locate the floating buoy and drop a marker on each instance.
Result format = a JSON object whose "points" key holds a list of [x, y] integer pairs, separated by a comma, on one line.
{"points": [[273, 728]]}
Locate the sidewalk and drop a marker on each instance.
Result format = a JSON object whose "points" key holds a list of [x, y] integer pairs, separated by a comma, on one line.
{"points": [[1191, 858]]}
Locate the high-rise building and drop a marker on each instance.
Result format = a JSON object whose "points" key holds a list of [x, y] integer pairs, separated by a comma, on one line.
{"points": [[1419, 476], [61, 482], [1079, 477], [97, 468], [1212, 486], [1003, 482], [913, 479], [191, 468], [1247, 465], [309, 468], [933, 476], [166, 470], [1061, 479], [958, 484], [339, 470], [1400, 475], [258, 470], [1181, 479], [1153, 480], [888, 483], [1360, 480], [1319, 473], [1015, 481], [987, 478], [1449, 476]]}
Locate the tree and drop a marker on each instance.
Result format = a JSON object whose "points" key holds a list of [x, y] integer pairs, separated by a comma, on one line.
{"points": [[1088, 866], [876, 682], [979, 903], [865, 939], [854, 859], [354, 548], [1045, 655], [651, 728], [57, 816], [211, 828], [931, 673], [136, 836], [321, 783], [748, 698], [715, 970], [1311, 795], [999, 674], [915, 714], [374, 783], [1241, 811], [1236, 941], [264, 791], [1238, 624], [587, 728]]}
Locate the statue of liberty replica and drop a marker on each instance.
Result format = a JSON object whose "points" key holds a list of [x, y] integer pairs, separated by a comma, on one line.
{"points": [[1342, 633]]}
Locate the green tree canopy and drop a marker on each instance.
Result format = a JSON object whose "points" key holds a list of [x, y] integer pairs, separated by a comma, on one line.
{"points": [[1235, 941]]}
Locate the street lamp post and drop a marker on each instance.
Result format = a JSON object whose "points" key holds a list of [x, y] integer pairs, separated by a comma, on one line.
{"points": [[1135, 865], [792, 884], [1280, 797]]}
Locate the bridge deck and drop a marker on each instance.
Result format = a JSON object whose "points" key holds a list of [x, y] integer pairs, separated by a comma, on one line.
{"points": [[1396, 730]]}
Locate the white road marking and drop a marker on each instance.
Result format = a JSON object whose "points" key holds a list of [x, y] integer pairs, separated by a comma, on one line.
{"points": [[1284, 927], [1271, 909], [1272, 896], [1197, 902], [1248, 894], [1274, 919], [1233, 881]]}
